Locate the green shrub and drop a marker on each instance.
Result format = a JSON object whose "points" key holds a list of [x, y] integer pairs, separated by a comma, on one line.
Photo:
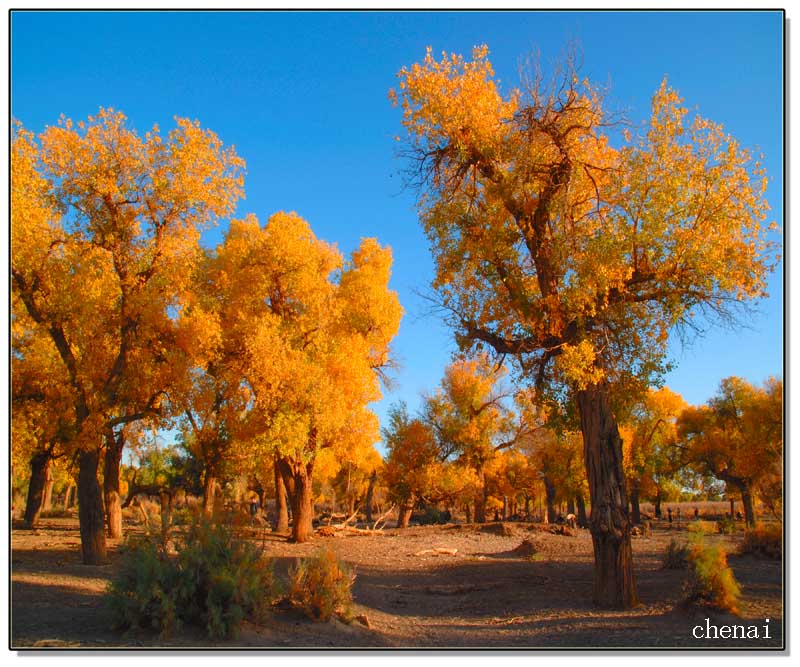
{"points": [[320, 586], [431, 516], [710, 580], [726, 526], [142, 594], [182, 516], [224, 580], [764, 541], [216, 581], [676, 556]]}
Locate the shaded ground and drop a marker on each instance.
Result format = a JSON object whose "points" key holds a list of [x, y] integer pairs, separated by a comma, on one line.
{"points": [[486, 595]]}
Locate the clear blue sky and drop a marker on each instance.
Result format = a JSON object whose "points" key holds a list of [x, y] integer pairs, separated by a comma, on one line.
{"points": [[303, 96]]}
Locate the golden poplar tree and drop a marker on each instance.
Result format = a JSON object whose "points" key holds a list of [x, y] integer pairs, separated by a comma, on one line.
{"points": [[574, 256], [105, 230]]}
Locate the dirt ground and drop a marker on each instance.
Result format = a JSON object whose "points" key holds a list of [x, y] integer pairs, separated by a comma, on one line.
{"points": [[489, 594]]}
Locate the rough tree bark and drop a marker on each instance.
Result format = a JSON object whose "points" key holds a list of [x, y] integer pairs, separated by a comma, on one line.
{"points": [[90, 509], [749, 509], [281, 508], [40, 465], [298, 478], [404, 515], [111, 495], [614, 585]]}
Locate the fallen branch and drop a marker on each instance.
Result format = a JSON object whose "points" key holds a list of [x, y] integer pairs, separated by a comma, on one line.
{"points": [[382, 517], [347, 520], [437, 551]]}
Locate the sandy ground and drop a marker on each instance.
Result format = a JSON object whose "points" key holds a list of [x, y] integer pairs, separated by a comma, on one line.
{"points": [[486, 595]]}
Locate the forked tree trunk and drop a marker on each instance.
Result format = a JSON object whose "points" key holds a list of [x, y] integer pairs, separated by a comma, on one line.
{"points": [[281, 508], [90, 509], [636, 513], [209, 488], [373, 478], [404, 515], [111, 495], [550, 495], [614, 585], [582, 521], [298, 478], [40, 465]]}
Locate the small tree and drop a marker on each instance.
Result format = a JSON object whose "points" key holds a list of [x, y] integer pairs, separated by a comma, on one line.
{"points": [[737, 436]]}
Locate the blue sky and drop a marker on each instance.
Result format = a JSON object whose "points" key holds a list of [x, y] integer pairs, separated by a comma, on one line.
{"points": [[303, 96]]}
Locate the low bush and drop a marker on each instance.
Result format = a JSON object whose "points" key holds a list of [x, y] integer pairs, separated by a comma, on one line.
{"points": [[764, 541], [710, 580], [433, 516], [676, 556], [216, 581], [726, 526], [702, 527], [56, 513], [142, 594], [321, 587]]}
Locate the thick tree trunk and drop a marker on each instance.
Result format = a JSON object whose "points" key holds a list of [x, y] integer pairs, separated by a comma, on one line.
{"points": [[749, 510], [550, 495], [614, 585], [373, 478], [733, 514], [298, 478], [571, 506], [209, 488], [90, 510], [636, 513], [111, 495], [281, 508], [404, 515], [40, 465], [505, 508], [582, 521], [467, 514], [657, 507]]}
